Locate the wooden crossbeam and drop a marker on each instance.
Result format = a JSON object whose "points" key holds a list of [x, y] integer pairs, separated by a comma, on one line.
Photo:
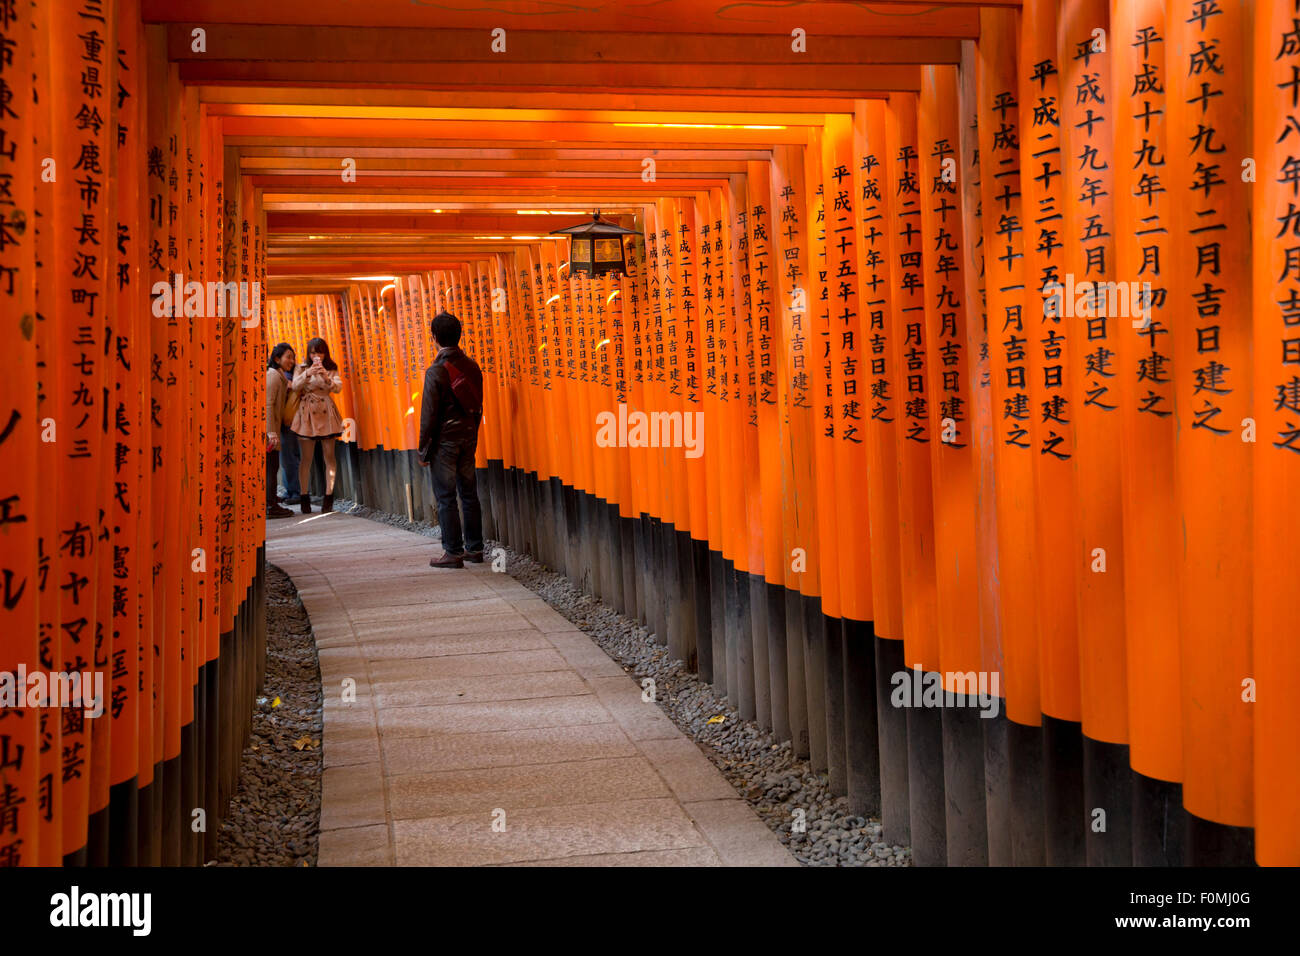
{"points": [[880, 18], [852, 79], [702, 100], [460, 47]]}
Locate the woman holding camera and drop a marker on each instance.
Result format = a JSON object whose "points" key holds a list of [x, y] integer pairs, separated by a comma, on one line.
{"points": [[317, 419]]}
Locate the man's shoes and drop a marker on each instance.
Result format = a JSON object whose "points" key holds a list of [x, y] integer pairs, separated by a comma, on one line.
{"points": [[276, 511], [447, 561], [474, 557]]}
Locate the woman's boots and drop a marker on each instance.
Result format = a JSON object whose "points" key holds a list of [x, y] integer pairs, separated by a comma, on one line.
{"points": [[304, 503], [329, 503]]}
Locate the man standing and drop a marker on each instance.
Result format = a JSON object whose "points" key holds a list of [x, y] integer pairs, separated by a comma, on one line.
{"points": [[449, 418]]}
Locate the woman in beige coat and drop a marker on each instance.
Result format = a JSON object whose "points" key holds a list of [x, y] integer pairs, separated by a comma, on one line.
{"points": [[277, 392], [317, 419]]}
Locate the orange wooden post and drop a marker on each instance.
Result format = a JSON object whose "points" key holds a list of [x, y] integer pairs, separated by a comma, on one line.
{"points": [[953, 466], [694, 452], [850, 687], [716, 322], [131, 572], [982, 411], [576, 298], [742, 690], [799, 556], [609, 367], [750, 276], [1276, 222], [47, 846], [20, 739], [622, 316], [983, 446], [943, 262], [880, 397], [200, 334], [718, 301], [81, 211], [214, 252], [659, 504], [558, 342], [916, 517], [844, 337], [369, 422], [530, 316], [1145, 385], [513, 451], [822, 543], [528, 320], [643, 478], [1010, 151], [622, 332], [876, 284], [766, 609], [916, 514], [409, 334], [1210, 250], [1099, 701], [1039, 363]]}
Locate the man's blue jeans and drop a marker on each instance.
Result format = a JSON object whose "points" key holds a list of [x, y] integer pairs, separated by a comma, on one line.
{"points": [[290, 457], [453, 470]]}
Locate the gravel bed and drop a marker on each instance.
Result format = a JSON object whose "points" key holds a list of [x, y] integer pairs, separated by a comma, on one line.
{"points": [[763, 770], [274, 817]]}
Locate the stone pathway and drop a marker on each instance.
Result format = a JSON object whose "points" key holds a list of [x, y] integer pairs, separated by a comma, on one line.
{"points": [[486, 729]]}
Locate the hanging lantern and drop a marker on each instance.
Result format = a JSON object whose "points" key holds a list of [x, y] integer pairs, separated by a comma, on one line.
{"points": [[596, 247]]}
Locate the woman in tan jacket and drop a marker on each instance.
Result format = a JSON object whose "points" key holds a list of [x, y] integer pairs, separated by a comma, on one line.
{"points": [[277, 391], [317, 419]]}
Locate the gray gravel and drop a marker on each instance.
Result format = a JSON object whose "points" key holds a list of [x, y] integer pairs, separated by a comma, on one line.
{"points": [[274, 817], [763, 770]]}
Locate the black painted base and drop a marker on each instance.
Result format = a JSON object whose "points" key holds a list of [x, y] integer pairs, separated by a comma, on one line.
{"points": [[926, 804], [891, 721], [861, 728]]}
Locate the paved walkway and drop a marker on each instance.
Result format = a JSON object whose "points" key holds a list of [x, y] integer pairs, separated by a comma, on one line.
{"points": [[476, 700]]}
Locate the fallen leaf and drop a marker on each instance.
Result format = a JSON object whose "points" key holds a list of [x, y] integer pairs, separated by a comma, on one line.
{"points": [[276, 702], [716, 720], [303, 741]]}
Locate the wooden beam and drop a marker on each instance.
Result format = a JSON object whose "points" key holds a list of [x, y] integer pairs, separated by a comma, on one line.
{"points": [[670, 118], [524, 99], [955, 18], [487, 221], [532, 152], [474, 185], [276, 166], [332, 44], [490, 128], [595, 77]]}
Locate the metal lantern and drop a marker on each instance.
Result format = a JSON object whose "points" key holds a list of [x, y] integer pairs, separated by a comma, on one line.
{"points": [[596, 247]]}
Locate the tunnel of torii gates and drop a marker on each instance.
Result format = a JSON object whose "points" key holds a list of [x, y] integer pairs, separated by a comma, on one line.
{"points": [[906, 449]]}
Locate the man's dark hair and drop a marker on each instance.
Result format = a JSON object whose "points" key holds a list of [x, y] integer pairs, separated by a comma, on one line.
{"points": [[446, 329]]}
